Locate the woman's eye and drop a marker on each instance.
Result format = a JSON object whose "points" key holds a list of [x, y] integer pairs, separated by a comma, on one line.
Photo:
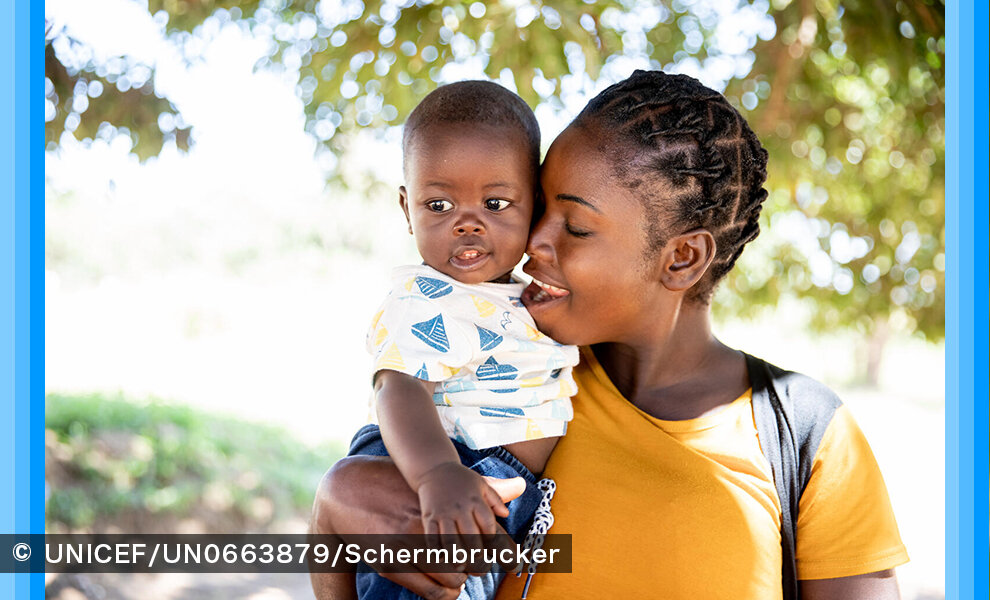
{"points": [[496, 204], [576, 232], [439, 206]]}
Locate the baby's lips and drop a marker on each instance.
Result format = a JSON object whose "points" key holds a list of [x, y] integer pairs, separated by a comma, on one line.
{"points": [[469, 252]]}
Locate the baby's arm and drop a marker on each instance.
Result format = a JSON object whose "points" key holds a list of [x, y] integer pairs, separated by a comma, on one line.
{"points": [[453, 499]]}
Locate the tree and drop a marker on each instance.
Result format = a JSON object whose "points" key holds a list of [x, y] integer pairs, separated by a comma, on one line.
{"points": [[854, 120], [847, 97]]}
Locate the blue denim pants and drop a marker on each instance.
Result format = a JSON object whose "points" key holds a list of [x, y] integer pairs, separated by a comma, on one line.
{"points": [[493, 462]]}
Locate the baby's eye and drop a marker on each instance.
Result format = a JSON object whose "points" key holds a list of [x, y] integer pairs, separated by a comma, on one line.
{"points": [[439, 206], [496, 204]]}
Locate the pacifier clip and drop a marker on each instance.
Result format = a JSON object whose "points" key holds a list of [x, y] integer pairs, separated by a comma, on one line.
{"points": [[542, 521]]}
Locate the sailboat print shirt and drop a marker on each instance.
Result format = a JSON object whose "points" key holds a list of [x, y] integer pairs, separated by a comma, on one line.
{"points": [[499, 380]]}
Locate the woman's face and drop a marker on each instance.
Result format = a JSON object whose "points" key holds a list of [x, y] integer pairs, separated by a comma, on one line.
{"points": [[589, 250]]}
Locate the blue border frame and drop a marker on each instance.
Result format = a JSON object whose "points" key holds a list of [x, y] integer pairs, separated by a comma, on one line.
{"points": [[34, 129], [29, 274], [22, 225], [981, 307], [22, 205], [21, 174], [966, 423], [7, 524], [981, 471]]}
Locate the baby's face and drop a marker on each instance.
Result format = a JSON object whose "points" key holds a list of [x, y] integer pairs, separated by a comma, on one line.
{"points": [[469, 200]]}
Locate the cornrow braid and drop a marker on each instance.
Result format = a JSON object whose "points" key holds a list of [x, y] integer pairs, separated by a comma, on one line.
{"points": [[690, 155]]}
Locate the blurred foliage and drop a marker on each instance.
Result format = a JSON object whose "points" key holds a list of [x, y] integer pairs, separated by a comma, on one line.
{"points": [[112, 461], [848, 97], [99, 99]]}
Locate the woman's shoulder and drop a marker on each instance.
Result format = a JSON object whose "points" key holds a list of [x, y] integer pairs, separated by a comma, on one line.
{"points": [[799, 388], [795, 401]]}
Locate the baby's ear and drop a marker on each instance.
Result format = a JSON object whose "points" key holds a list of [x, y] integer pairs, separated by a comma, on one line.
{"points": [[404, 203], [685, 259]]}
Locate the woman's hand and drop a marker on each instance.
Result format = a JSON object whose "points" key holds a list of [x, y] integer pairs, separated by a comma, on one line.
{"points": [[367, 494], [455, 500]]}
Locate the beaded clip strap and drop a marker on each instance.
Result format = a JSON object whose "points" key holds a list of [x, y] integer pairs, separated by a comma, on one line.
{"points": [[542, 521]]}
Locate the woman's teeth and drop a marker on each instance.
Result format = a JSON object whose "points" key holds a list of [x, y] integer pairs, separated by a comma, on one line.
{"points": [[548, 290]]}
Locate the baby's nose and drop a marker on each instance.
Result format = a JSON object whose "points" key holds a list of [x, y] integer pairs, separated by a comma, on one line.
{"points": [[469, 225]]}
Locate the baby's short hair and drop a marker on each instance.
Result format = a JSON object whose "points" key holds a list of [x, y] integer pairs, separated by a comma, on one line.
{"points": [[481, 102]]}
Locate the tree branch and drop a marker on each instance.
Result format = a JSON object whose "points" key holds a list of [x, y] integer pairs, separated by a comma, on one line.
{"points": [[788, 59]]}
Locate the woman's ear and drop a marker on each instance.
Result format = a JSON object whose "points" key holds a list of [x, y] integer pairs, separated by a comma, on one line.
{"points": [[404, 203], [686, 258]]}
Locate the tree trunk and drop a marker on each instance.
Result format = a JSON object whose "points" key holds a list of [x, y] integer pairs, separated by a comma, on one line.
{"points": [[874, 354]]}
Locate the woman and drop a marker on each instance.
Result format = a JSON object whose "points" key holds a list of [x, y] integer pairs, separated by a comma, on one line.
{"points": [[651, 195]]}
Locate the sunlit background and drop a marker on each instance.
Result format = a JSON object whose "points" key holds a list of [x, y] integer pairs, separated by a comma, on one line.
{"points": [[222, 215]]}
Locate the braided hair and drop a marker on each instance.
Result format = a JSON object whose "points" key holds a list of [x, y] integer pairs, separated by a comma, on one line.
{"points": [[689, 155]]}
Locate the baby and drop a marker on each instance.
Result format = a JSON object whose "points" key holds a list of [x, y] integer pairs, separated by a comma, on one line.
{"points": [[465, 383]]}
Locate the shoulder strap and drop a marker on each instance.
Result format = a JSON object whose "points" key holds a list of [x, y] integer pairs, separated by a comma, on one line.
{"points": [[792, 413]]}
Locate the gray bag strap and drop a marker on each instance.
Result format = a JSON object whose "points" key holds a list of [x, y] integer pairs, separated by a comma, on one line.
{"points": [[792, 413]]}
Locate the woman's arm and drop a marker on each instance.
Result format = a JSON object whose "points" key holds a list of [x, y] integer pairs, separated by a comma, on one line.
{"points": [[881, 585], [367, 494]]}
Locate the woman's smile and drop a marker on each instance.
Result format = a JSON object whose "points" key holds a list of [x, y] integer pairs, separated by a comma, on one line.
{"points": [[540, 293], [554, 291]]}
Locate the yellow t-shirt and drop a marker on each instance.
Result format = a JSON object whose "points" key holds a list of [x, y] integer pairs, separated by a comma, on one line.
{"points": [[688, 509]]}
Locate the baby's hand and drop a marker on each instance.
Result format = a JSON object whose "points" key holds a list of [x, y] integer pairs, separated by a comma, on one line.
{"points": [[454, 500]]}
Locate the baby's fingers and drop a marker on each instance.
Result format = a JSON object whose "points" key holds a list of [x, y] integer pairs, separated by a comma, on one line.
{"points": [[507, 489], [439, 530], [467, 528], [494, 502], [472, 538], [485, 520], [431, 531]]}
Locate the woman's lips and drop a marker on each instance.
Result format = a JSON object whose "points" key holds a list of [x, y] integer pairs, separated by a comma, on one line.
{"points": [[554, 291], [539, 292]]}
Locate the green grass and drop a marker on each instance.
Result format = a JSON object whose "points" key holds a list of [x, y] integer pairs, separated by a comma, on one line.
{"points": [[112, 461]]}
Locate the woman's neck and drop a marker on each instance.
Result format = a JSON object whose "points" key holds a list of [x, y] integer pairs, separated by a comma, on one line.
{"points": [[678, 372]]}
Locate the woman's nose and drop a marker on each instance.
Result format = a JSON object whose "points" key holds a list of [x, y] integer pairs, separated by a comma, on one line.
{"points": [[540, 245]]}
